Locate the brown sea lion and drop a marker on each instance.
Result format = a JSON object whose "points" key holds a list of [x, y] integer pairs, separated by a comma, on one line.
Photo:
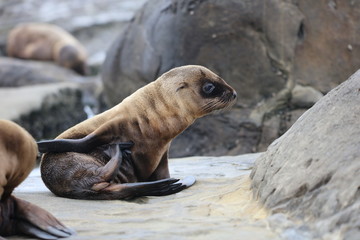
{"points": [[92, 160], [46, 42], [18, 151]]}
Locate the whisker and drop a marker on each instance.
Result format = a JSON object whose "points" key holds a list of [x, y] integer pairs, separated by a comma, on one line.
{"points": [[222, 104], [209, 105]]}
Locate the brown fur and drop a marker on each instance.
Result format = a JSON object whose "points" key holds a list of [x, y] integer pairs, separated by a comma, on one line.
{"points": [[46, 42], [151, 118], [18, 151]]}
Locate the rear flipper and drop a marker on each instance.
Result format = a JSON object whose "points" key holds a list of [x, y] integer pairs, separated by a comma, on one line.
{"points": [[156, 188], [101, 186], [29, 219], [161, 187]]}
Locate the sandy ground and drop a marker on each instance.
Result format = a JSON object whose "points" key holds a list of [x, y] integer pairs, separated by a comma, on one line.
{"points": [[218, 206]]}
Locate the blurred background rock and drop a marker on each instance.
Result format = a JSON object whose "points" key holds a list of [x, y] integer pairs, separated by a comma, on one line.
{"points": [[280, 55], [41, 96]]}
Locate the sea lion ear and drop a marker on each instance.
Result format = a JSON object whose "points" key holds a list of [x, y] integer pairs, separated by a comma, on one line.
{"points": [[182, 86]]}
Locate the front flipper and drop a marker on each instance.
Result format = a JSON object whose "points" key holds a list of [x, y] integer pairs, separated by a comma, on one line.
{"points": [[161, 187], [82, 145], [103, 187], [108, 190], [34, 221], [156, 188]]}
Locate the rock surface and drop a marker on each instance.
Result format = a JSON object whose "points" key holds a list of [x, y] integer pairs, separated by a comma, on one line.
{"points": [[44, 98], [262, 48], [43, 110], [16, 72], [250, 46], [328, 50], [304, 96], [218, 206], [95, 23], [166, 34], [312, 171], [232, 38]]}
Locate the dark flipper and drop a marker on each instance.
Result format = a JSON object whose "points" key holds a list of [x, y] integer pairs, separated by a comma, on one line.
{"points": [[159, 188], [112, 191], [127, 191], [99, 185], [29, 219], [82, 145]]}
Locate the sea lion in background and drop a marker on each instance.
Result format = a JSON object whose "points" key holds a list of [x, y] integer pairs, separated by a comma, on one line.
{"points": [[46, 42], [92, 160], [18, 151]]}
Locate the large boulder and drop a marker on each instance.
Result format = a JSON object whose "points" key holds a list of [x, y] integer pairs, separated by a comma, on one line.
{"points": [[262, 48], [236, 39], [43, 110], [328, 50], [312, 171], [16, 72], [245, 42], [44, 98]]}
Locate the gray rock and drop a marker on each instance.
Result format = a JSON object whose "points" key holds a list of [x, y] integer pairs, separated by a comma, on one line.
{"points": [[44, 98], [68, 87], [215, 135], [304, 96], [16, 72], [276, 124], [328, 48], [236, 39], [95, 23], [44, 110], [270, 131], [260, 47], [290, 118], [312, 171]]}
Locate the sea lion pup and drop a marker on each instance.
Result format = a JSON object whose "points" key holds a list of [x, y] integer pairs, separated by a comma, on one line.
{"points": [[18, 151], [46, 42], [92, 159]]}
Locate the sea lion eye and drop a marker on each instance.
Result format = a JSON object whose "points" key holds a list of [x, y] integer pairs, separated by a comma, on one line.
{"points": [[208, 88]]}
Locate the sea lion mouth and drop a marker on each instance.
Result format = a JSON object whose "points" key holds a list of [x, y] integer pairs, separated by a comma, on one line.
{"points": [[226, 101]]}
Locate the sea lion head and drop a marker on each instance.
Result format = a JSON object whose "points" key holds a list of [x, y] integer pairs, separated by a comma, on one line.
{"points": [[71, 57], [197, 89]]}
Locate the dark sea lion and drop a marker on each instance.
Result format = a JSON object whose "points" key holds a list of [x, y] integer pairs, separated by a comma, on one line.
{"points": [[18, 151], [46, 42], [92, 160]]}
